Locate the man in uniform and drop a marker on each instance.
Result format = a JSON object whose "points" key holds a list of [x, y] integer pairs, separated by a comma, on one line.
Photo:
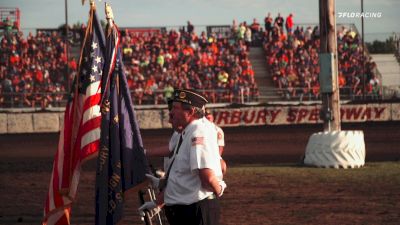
{"points": [[220, 132], [194, 177], [220, 138]]}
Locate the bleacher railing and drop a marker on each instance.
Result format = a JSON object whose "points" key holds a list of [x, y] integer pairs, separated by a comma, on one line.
{"points": [[44, 100]]}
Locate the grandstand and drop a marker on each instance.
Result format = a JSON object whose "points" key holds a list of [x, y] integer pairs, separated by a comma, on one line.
{"points": [[228, 63]]}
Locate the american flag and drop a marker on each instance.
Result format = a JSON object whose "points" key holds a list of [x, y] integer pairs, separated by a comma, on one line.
{"points": [[80, 135]]}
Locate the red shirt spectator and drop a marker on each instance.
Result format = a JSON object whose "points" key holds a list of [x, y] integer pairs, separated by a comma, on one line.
{"points": [[38, 75], [73, 65], [289, 23]]}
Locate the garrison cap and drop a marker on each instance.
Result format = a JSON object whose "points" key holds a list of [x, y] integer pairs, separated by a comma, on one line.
{"points": [[190, 97]]}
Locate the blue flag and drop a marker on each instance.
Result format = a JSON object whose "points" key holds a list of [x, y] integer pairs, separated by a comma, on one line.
{"points": [[121, 162]]}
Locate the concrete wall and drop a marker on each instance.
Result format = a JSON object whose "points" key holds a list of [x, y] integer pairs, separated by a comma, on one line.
{"points": [[14, 122]]}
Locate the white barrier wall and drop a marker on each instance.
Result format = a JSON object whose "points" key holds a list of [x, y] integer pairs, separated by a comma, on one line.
{"points": [[149, 119], [20, 123], [46, 122], [395, 112], [39, 122], [3, 123]]}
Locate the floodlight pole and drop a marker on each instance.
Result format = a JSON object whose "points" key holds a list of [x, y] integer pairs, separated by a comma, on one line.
{"points": [[67, 46], [330, 112]]}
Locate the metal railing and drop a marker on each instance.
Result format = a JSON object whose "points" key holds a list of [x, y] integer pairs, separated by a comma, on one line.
{"points": [[42, 100], [37, 100]]}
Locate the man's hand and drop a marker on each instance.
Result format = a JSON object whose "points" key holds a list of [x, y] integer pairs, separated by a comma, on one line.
{"points": [[149, 206], [154, 180], [223, 186]]}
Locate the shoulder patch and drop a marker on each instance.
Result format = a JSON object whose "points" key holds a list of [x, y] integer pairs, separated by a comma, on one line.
{"points": [[197, 141], [219, 135]]}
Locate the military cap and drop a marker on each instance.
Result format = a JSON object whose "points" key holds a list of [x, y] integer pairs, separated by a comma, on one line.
{"points": [[190, 97]]}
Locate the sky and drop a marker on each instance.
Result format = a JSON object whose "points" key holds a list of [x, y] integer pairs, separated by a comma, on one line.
{"points": [[145, 13]]}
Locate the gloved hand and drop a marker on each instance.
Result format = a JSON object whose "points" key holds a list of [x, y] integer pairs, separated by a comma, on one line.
{"points": [[154, 180], [223, 186], [149, 206]]}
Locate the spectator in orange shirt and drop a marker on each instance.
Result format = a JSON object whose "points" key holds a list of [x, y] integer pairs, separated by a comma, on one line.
{"points": [[342, 80]]}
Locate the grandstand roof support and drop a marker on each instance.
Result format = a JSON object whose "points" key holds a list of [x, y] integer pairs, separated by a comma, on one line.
{"points": [[330, 112]]}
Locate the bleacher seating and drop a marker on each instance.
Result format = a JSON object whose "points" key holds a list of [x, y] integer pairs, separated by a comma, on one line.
{"points": [[33, 70], [293, 61]]}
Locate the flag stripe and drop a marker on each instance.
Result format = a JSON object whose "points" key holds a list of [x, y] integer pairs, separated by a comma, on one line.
{"points": [[93, 88], [89, 126], [90, 148], [90, 137], [91, 113], [57, 200], [80, 134]]}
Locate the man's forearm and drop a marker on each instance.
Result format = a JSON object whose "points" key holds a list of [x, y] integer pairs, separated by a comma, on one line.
{"points": [[210, 181]]}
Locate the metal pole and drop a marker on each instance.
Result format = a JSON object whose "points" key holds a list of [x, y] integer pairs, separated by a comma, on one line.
{"points": [[67, 46], [363, 50]]}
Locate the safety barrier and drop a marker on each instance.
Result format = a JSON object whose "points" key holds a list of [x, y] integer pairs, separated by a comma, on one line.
{"points": [[31, 121]]}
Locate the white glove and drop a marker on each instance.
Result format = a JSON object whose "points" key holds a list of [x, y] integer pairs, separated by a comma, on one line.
{"points": [[154, 180], [223, 186], [149, 206]]}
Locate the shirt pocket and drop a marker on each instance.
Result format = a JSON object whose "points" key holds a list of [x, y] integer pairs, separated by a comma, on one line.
{"points": [[182, 163]]}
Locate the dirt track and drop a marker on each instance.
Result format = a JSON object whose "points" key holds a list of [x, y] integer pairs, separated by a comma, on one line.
{"points": [[26, 160], [268, 144]]}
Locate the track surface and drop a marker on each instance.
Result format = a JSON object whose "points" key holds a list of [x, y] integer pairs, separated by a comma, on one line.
{"points": [[261, 144], [26, 163]]}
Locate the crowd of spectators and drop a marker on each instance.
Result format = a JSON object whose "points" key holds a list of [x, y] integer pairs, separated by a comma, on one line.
{"points": [[293, 61], [215, 65], [32, 70]]}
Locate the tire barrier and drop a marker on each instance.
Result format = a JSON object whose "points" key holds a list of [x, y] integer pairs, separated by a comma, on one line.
{"points": [[337, 149]]}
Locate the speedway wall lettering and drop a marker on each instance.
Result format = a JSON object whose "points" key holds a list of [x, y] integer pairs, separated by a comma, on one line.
{"points": [[282, 115], [26, 121]]}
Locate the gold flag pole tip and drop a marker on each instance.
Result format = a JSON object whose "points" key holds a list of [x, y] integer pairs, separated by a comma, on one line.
{"points": [[109, 12]]}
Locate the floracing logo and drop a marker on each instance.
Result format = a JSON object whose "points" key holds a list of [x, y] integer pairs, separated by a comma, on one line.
{"points": [[359, 15]]}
